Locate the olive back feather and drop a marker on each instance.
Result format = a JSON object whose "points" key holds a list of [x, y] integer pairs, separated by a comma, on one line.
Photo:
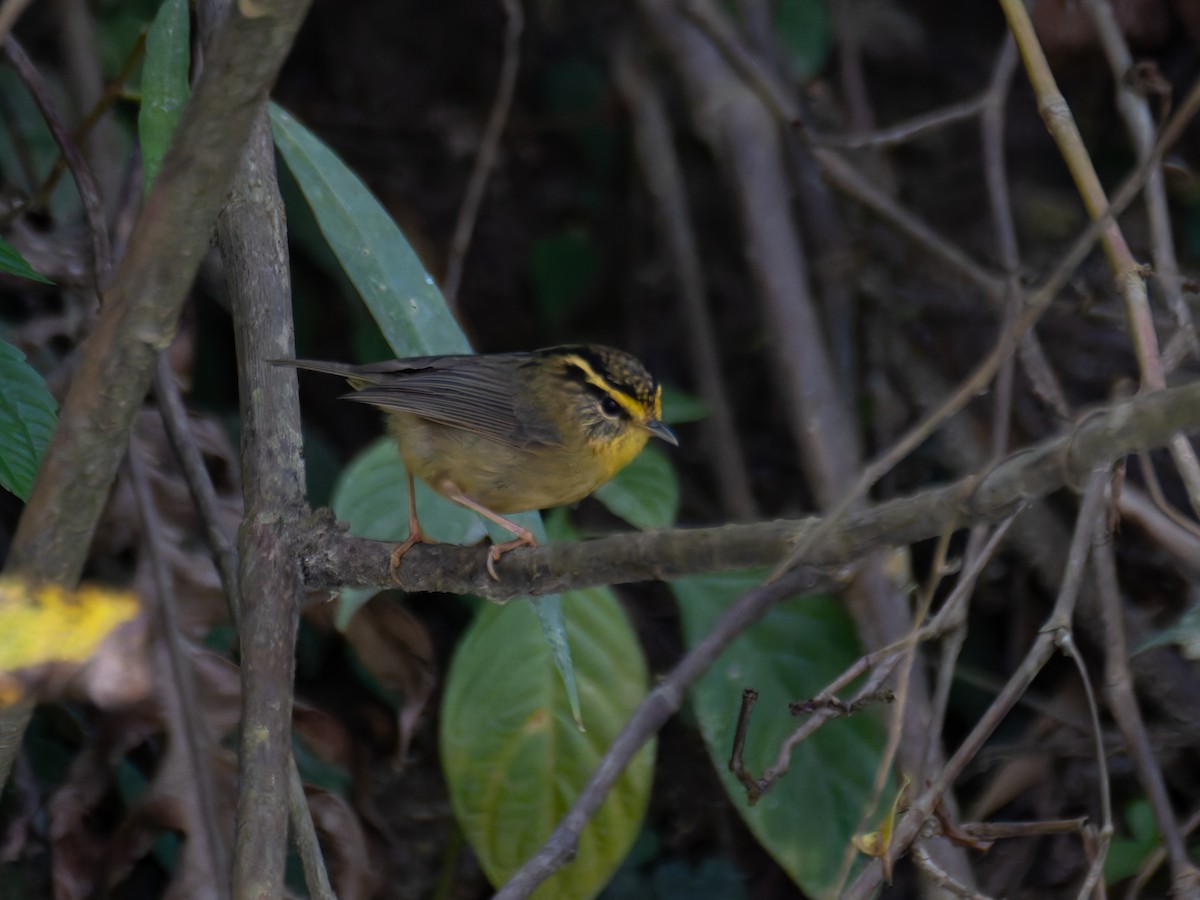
{"points": [[502, 396]]}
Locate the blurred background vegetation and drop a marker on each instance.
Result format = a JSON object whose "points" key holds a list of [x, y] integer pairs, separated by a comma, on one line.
{"points": [[569, 245]]}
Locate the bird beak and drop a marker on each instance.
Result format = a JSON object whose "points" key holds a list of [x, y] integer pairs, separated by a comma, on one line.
{"points": [[659, 430]]}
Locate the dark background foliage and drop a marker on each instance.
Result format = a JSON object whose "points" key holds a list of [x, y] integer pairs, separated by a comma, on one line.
{"points": [[568, 246]]}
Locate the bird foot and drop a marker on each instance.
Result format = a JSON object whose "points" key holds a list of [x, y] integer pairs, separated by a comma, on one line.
{"points": [[415, 536], [524, 539]]}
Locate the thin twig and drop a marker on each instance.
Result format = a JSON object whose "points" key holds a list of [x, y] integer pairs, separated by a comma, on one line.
{"points": [[211, 844], [1067, 645], [736, 765], [906, 131], [85, 182], [10, 12], [195, 473], [995, 831], [1030, 352], [113, 91], [1154, 489], [824, 709], [1096, 846], [485, 159], [900, 710], [1122, 702], [942, 879], [1182, 543], [1139, 121], [950, 622]]}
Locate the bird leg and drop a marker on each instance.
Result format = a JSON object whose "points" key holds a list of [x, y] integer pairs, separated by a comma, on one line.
{"points": [[524, 537], [416, 534]]}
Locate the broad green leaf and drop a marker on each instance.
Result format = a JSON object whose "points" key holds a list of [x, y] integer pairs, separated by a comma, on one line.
{"points": [[164, 84], [646, 492], [27, 419], [14, 263], [806, 820], [371, 496], [381, 264], [401, 295], [513, 758]]}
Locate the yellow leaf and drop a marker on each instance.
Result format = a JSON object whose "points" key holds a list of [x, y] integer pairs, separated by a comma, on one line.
{"points": [[877, 843], [50, 623]]}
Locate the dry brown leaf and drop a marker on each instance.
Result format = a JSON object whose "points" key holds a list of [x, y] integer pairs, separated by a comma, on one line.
{"points": [[395, 647], [344, 846], [80, 848]]}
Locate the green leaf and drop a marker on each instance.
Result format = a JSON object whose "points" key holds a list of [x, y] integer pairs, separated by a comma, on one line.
{"points": [[400, 294], [1126, 855], [388, 275], [513, 758], [12, 262], [806, 820], [164, 84], [27, 419], [805, 32], [646, 492]]}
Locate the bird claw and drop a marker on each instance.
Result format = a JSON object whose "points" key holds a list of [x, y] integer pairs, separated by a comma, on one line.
{"points": [[524, 539], [416, 536]]}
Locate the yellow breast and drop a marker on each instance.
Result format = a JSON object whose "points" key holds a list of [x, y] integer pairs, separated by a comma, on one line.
{"points": [[504, 478]]}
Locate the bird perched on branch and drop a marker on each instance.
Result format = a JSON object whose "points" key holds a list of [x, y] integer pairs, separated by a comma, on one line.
{"points": [[509, 432]]}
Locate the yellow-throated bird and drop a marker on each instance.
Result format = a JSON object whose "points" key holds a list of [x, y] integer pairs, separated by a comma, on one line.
{"points": [[510, 432]]}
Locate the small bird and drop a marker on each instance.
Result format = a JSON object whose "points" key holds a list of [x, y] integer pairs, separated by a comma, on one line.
{"points": [[509, 432]]}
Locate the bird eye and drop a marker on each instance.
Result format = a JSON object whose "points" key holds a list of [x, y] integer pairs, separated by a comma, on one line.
{"points": [[610, 406]]}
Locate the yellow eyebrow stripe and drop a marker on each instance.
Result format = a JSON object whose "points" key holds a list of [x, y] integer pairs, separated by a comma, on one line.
{"points": [[635, 409]]}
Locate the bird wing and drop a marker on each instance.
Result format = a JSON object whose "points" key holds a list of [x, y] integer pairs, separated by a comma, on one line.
{"points": [[476, 393]]}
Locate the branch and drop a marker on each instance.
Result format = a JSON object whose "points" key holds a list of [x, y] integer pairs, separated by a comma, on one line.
{"points": [[331, 559], [141, 307]]}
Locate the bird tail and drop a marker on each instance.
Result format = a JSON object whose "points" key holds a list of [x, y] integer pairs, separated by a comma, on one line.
{"points": [[353, 374]]}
